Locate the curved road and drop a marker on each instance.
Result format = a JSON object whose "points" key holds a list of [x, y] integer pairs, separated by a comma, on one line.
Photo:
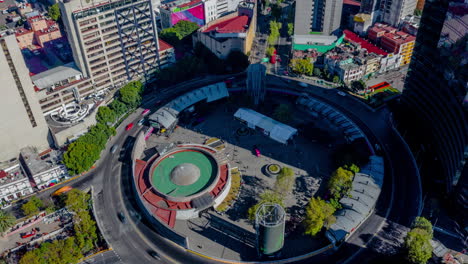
{"points": [[132, 241]]}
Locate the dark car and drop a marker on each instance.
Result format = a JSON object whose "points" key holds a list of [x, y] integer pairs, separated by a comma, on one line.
{"points": [[122, 217], [154, 255]]}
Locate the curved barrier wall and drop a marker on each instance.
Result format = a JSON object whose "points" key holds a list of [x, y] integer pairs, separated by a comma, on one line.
{"points": [[162, 229]]}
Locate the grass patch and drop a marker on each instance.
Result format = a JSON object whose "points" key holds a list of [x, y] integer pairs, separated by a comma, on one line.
{"points": [[235, 189]]}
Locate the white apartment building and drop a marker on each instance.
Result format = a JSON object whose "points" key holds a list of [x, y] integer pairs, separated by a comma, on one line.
{"points": [[394, 11], [14, 184]]}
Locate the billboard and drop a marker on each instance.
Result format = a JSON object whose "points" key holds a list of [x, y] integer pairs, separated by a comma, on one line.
{"points": [[194, 14]]}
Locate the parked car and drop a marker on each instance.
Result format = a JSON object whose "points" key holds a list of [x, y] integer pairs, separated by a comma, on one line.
{"points": [[256, 151], [154, 255], [122, 217], [113, 149], [145, 112], [140, 123], [129, 126]]}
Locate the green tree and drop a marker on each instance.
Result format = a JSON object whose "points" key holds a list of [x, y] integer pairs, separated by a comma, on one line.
{"points": [[302, 66], [54, 12], [336, 79], [171, 36], [317, 72], [357, 86], [186, 28], [130, 94], [290, 29], [340, 182], [32, 207], [353, 167], [274, 32], [85, 230], [270, 51], [105, 115], [7, 220], [424, 224], [77, 200], [265, 197], [318, 214], [282, 113], [285, 182], [80, 156], [118, 107], [418, 245]]}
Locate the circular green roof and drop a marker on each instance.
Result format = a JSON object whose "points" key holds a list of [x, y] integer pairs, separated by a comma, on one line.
{"points": [[184, 173]]}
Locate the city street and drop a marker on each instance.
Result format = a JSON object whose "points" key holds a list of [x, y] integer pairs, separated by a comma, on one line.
{"points": [[396, 78]]}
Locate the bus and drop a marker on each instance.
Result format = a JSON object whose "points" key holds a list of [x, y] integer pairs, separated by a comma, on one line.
{"points": [[62, 190]]}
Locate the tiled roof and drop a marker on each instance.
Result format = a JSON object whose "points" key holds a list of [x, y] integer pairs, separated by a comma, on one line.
{"points": [[236, 24], [163, 45]]}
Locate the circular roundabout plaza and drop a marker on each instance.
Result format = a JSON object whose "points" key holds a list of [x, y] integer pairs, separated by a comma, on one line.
{"points": [[205, 158]]}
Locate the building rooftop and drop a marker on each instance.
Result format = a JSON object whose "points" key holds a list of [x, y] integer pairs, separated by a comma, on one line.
{"points": [[11, 174], [379, 27], [22, 31], [400, 37], [50, 77], [163, 45], [34, 162], [371, 48], [238, 24], [171, 4]]}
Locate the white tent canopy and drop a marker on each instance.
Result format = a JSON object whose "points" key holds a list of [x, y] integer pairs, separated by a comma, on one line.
{"points": [[276, 130]]}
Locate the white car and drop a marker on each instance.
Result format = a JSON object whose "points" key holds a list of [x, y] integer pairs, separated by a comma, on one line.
{"points": [[342, 93]]}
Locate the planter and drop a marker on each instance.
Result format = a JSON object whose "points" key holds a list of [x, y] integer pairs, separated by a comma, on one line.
{"points": [[273, 169]]}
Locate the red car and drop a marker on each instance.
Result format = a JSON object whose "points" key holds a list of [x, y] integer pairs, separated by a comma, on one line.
{"points": [[257, 152], [129, 126], [145, 112]]}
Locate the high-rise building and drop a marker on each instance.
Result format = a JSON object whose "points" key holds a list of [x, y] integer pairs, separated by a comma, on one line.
{"points": [[434, 113], [372, 8], [112, 41], [22, 121], [393, 11], [317, 22]]}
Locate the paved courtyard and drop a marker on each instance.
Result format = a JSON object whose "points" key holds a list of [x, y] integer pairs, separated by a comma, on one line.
{"points": [[230, 235]]}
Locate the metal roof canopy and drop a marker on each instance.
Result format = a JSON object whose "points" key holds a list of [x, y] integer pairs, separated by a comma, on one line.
{"points": [[54, 75]]}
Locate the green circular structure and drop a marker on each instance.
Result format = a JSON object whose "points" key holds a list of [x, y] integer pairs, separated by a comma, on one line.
{"points": [[184, 173]]}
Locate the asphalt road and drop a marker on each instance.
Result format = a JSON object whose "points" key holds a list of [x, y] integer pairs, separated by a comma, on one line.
{"points": [[132, 241], [401, 197]]}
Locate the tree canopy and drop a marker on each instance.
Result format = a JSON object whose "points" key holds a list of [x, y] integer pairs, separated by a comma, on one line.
{"points": [[274, 32], [265, 197], [63, 251], [290, 29], [130, 94], [32, 206], [178, 32], [105, 115], [285, 182], [318, 214], [424, 224], [7, 220], [340, 182], [54, 12], [418, 245], [302, 66]]}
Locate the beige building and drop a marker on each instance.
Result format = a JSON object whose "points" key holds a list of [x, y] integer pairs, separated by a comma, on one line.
{"points": [[22, 122], [229, 33], [112, 42]]}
